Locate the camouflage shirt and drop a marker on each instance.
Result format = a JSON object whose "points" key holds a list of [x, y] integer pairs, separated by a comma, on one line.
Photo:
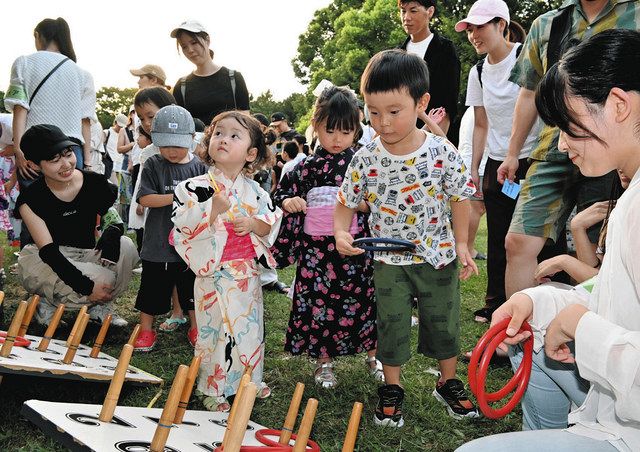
{"points": [[532, 63]]}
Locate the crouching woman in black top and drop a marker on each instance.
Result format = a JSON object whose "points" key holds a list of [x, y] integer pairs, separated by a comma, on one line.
{"points": [[60, 210]]}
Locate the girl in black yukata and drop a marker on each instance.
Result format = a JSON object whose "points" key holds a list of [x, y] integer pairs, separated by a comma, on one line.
{"points": [[333, 312]]}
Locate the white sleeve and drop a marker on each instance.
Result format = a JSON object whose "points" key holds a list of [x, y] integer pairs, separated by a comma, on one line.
{"points": [[17, 91], [88, 96], [548, 300], [474, 90], [268, 213]]}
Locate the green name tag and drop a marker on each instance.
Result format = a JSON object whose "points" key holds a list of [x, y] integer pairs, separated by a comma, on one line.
{"points": [[16, 92]]}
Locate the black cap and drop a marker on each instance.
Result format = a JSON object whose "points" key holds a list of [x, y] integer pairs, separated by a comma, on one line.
{"points": [[43, 142], [278, 116], [262, 119]]}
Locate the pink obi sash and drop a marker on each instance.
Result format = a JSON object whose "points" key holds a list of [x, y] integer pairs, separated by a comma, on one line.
{"points": [[237, 247], [321, 204]]}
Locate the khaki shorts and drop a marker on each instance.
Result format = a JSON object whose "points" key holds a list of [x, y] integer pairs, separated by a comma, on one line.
{"points": [[549, 194], [438, 294]]}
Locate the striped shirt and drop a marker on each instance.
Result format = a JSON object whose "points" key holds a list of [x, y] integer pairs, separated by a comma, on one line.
{"points": [[532, 63]]}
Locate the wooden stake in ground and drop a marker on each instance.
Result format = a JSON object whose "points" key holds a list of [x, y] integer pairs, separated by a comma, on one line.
{"points": [[13, 329], [292, 414], [53, 325], [169, 412], [97, 345], [31, 309], [186, 390], [352, 428], [244, 381], [113, 394], [77, 337], [241, 418], [305, 426], [134, 335], [1, 297], [83, 310]]}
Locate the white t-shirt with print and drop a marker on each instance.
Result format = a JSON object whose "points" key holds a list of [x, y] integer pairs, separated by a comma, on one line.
{"points": [[419, 48], [498, 97], [409, 197]]}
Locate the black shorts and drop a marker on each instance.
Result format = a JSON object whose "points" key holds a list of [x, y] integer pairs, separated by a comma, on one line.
{"points": [[156, 286]]}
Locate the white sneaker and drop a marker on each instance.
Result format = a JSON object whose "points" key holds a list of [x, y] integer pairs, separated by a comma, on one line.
{"points": [[99, 312]]}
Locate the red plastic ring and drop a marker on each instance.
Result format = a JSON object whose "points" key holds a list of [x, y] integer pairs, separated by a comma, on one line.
{"points": [[19, 341], [263, 436], [482, 353]]}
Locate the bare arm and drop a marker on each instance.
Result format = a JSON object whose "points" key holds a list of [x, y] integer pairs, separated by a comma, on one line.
{"points": [[122, 146], [479, 142], [524, 116], [19, 125], [86, 136], [342, 218], [460, 218], [156, 200]]}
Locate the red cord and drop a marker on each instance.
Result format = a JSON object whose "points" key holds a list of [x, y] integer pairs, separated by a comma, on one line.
{"points": [[19, 342], [271, 445], [482, 353]]}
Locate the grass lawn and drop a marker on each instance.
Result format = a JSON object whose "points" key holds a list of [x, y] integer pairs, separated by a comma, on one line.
{"points": [[427, 426]]}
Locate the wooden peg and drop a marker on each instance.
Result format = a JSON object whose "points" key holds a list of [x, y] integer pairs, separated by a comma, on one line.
{"points": [[134, 335], [352, 428], [13, 329], [241, 419], [83, 311], [97, 345], [1, 297], [248, 370], [77, 337], [53, 325], [244, 381], [292, 414], [305, 426], [188, 387], [26, 320], [169, 412], [113, 393]]}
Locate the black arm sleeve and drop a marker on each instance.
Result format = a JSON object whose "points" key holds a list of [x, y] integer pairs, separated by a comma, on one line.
{"points": [[51, 255]]}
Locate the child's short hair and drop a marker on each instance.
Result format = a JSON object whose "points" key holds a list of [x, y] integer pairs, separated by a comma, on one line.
{"points": [[291, 149], [339, 107], [264, 159], [393, 70], [156, 95]]}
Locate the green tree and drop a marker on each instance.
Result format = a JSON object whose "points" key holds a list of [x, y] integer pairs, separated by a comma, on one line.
{"points": [[2, 109], [343, 36], [111, 101], [294, 107]]}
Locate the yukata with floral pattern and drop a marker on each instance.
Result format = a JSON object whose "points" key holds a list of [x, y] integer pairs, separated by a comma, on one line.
{"points": [[7, 168], [333, 312], [227, 291]]}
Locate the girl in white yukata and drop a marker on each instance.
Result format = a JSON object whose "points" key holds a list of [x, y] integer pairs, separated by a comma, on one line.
{"points": [[224, 226], [594, 329]]}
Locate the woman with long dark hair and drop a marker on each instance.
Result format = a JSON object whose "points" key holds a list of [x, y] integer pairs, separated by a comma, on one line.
{"points": [[593, 96]]}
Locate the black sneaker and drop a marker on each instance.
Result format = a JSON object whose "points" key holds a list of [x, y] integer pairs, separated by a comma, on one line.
{"points": [[389, 408], [453, 396]]}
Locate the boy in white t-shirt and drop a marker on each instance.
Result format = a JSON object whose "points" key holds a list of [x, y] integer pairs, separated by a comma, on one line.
{"points": [[410, 179]]}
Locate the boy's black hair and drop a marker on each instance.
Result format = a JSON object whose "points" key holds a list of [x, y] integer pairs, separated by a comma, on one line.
{"points": [[156, 95], [199, 124], [394, 70], [291, 149], [589, 71]]}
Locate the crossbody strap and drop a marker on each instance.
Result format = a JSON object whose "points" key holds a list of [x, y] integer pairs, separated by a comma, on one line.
{"points": [[232, 79], [560, 29], [47, 78]]}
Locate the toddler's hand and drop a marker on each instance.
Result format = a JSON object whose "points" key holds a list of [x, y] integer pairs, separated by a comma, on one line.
{"points": [[469, 267], [344, 245], [243, 225], [295, 204], [220, 204]]}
